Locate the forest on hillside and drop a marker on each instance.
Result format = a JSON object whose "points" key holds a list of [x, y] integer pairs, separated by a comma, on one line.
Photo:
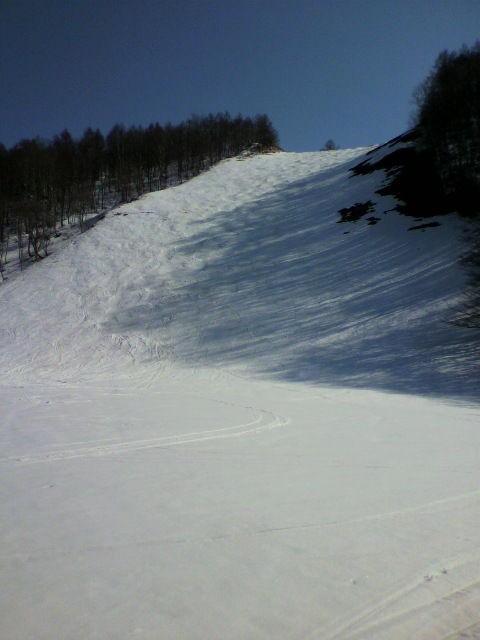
{"points": [[448, 119], [434, 168], [46, 184]]}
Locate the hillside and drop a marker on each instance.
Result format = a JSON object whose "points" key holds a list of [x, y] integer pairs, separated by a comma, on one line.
{"points": [[226, 415], [244, 266]]}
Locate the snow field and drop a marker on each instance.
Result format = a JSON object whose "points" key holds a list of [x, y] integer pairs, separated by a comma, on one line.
{"points": [[223, 417]]}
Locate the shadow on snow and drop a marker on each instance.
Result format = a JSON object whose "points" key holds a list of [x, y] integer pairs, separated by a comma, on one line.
{"points": [[282, 290]]}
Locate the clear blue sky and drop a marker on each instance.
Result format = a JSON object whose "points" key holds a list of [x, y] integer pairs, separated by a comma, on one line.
{"points": [[341, 69]]}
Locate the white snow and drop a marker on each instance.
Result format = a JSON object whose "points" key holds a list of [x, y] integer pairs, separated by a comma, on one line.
{"points": [[223, 417]]}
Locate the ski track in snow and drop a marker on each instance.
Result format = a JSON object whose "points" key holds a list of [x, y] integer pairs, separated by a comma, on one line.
{"points": [[378, 622], [264, 422]]}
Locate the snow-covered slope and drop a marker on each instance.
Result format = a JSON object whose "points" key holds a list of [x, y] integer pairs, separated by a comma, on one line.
{"points": [[224, 415], [245, 266]]}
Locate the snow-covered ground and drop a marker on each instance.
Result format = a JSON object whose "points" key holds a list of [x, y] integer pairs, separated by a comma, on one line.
{"points": [[223, 417]]}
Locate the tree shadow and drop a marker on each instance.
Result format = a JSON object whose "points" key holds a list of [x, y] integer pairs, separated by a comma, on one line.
{"points": [[468, 314], [278, 289]]}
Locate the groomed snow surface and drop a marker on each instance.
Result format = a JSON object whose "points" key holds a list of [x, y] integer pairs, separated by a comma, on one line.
{"points": [[224, 418]]}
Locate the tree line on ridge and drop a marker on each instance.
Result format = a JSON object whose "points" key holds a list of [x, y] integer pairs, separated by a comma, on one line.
{"points": [[46, 184]]}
